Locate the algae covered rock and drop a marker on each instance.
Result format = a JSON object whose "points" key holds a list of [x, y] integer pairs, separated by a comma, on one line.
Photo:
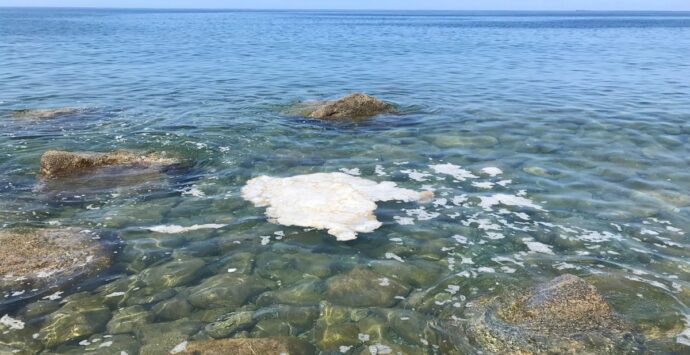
{"points": [[45, 113], [81, 316], [226, 290], [355, 105], [250, 346], [31, 261], [56, 164], [565, 315], [362, 287]]}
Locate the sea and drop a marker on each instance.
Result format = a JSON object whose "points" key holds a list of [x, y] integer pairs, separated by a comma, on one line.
{"points": [[571, 130]]}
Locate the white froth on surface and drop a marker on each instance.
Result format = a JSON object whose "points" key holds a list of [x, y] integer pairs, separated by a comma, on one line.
{"points": [[179, 348], [354, 171], [492, 171], [483, 184], [11, 323], [508, 200], [174, 229], [455, 171], [537, 246], [416, 175], [342, 204]]}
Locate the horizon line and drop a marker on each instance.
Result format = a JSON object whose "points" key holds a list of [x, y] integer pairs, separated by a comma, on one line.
{"points": [[316, 9]]}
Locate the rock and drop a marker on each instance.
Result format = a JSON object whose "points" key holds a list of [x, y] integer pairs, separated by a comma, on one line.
{"points": [[160, 338], [230, 324], [336, 327], [250, 346], [362, 287], [128, 319], [101, 345], [55, 164], [226, 290], [173, 308], [565, 315], [31, 261], [355, 105], [45, 113], [81, 316], [172, 274]]}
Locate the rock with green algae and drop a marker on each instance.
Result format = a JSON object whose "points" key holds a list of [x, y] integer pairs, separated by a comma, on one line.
{"points": [[307, 292], [355, 106], [174, 273], [81, 315], [565, 315], [161, 338], [57, 164], [33, 260], [173, 308], [227, 290], [126, 320], [249, 346], [362, 287], [99, 344]]}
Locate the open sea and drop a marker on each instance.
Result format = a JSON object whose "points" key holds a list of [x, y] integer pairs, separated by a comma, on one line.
{"points": [[586, 115]]}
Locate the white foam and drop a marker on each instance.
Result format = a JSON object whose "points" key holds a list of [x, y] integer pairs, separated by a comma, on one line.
{"points": [[537, 246], [416, 175], [492, 171], [194, 191], [483, 184], [379, 171], [509, 200], [11, 323], [174, 229], [455, 171], [354, 172], [340, 203]]}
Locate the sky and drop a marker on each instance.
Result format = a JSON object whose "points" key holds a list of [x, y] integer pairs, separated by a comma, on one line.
{"points": [[662, 5]]}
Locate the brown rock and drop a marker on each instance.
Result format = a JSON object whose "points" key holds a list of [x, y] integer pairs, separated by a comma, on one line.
{"points": [[565, 315], [250, 346], [38, 259], [355, 105], [56, 164], [45, 113]]}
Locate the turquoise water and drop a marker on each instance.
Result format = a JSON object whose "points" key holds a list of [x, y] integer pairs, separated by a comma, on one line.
{"points": [[586, 113]]}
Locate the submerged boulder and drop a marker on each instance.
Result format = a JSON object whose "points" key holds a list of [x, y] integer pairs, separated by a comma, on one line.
{"points": [[32, 261], [44, 113], [55, 163], [249, 346], [565, 315], [355, 105], [362, 287]]}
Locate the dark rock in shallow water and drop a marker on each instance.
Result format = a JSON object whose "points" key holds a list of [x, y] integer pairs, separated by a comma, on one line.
{"points": [[45, 113], [250, 346], [55, 164], [565, 316], [362, 287], [31, 261], [355, 105]]}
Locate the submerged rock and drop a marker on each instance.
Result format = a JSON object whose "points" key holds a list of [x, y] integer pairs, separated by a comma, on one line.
{"points": [[340, 203], [250, 346], [45, 113], [226, 290], [362, 287], [81, 316], [565, 315], [33, 260], [56, 164]]}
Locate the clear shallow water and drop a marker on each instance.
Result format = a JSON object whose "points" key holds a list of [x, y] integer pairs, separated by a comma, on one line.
{"points": [[586, 113]]}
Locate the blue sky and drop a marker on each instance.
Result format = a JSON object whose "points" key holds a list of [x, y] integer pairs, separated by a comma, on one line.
{"points": [[683, 5]]}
